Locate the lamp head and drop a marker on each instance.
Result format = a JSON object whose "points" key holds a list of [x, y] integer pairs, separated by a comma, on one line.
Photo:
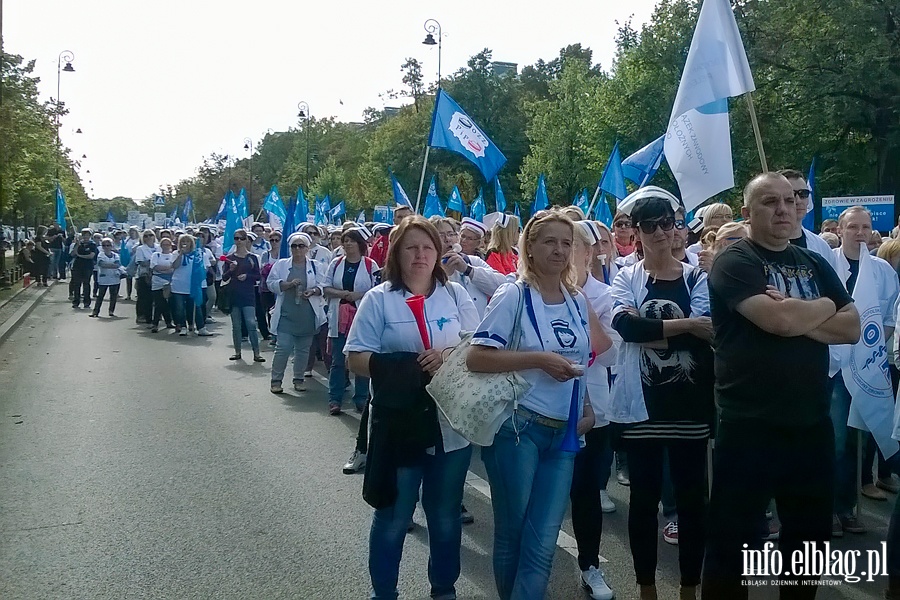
{"points": [[69, 68], [429, 40]]}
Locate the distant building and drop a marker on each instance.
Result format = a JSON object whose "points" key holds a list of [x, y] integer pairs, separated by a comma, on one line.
{"points": [[505, 68]]}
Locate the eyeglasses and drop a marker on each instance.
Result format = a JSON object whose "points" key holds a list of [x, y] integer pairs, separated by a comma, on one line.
{"points": [[239, 239], [106, 245], [665, 223], [622, 224], [275, 239], [299, 246], [448, 234], [680, 224], [802, 194]]}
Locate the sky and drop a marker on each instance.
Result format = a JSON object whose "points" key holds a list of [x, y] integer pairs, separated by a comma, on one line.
{"points": [[159, 85]]}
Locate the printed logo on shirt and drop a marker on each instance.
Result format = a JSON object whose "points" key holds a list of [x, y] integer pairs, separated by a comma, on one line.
{"points": [[564, 334], [659, 367], [792, 281]]}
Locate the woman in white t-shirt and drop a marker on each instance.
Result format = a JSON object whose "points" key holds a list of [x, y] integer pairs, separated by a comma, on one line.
{"points": [[529, 470], [142, 254], [161, 283], [108, 277], [184, 310], [410, 445]]}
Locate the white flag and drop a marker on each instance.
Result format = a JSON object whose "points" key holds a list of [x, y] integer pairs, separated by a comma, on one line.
{"points": [[865, 365], [698, 140]]}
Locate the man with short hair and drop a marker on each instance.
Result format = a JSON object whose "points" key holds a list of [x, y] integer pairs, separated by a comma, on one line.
{"points": [[801, 236], [855, 228], [775, 308], [829, 226], [85, 253]]}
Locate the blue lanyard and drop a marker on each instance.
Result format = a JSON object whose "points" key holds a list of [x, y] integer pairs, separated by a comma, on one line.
{"points": [[605, 275]]}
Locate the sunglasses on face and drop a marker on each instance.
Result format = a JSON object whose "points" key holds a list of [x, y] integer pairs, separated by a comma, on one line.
{"points": [[622, 225], [239, 239], [802, 194], [299, 246], [276, 239], [680, 224], [106, 245], [665, 223]]}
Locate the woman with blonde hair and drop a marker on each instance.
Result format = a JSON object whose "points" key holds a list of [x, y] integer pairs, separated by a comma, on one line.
{"points": [[502, 254], [530, 472], [714, 216], [717, 241], [185, 312]]}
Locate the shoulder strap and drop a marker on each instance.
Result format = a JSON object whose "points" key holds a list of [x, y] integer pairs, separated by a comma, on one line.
{"points": [[368, 262], [452, 290], [516, 336]]}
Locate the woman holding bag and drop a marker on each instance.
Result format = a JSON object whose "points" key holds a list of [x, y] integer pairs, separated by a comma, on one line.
{"points": [[348, 279], [410, 445], [529, 471], [663, 387]]}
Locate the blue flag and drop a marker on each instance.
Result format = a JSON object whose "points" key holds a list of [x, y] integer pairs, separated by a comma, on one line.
{"points": [[274, 206], [109, 217], [582, 201], [289, 224], [124, 254], [641, 166], [61, 209], [456, 202], [337, 211], [233, 222], [323, 210], [223, 207], [541, 200], [187, 210], [809, 221], [400, 197], [301, 212], [198, 276], [432, 201], [362, 217], [602, 212], [243, 209], [476, 211], [498, 195], [174, 212], [613, 182], [453, 129], [516, 213]]}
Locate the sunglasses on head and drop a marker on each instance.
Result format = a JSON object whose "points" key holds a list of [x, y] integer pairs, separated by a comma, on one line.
{"points": [[802, 194], [665, 223], [299, 246]]}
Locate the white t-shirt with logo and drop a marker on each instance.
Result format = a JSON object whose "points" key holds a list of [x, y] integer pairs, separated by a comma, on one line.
{"points": [[563, 330]]}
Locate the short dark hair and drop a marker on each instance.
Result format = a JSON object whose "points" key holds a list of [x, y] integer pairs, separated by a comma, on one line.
{"points": [[356, 237], [792, 174]]}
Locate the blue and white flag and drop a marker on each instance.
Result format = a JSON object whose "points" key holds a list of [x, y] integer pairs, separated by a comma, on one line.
{"points": [[109, 217], [582, 201], [477, 211], [641, 166], [498, 196], [432, 201], [362, 217], [453, 129], [174, 212], [301, 211], [274, 207], [61, 209], [223, 206], [320, 212], [602, 212], [865, 364], [541, 200], [612, 181], [809, 221], [400, 197], [698, 139], [456, 202], [337, 211], [233, 222], [187, 210], [244, 209]]}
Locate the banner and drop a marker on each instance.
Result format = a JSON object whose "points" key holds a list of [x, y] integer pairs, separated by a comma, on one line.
{"points": [[881, 207]]}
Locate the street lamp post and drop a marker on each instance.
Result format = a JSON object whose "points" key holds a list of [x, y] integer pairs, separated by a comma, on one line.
{"points": [[305, 114], [248, 145], [68, 57], [432, 27]]}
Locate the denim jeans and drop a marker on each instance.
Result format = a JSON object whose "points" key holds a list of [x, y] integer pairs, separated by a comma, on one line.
{"points": [[845, 447], [442, 478], [246, 314], [319, 342], [55, 254], [184, 312], [337, 376], [285, 345], [530, 481]]}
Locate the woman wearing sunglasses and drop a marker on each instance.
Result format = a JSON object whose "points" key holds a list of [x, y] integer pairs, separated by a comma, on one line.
{"points": [[663, 387], [299, 312], [624, 234], [240, 274]]}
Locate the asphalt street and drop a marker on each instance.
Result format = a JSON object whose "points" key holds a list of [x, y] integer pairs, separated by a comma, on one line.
{"points": [[139, 465]]}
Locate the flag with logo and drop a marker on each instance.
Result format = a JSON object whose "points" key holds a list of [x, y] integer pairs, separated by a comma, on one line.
{"points": [[498, 196], [865, 364], [61, 209], [641, 166], [400, 197], [109, 217], [187, 210], [337, 211], [453, 129], [581, 201], [477, 211], [361, 218], [698, 139], [274, 207], [809, 220], [223, 206], [541, 200], [432, 201], [301, 211], [456, 202]]}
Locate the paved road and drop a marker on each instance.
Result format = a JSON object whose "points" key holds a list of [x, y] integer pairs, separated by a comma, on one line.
{"points": [[135, 465]]}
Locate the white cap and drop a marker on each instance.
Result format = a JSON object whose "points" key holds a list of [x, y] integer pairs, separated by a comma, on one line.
{"points": [[473, 225], [380, 227], [592, 229], [301, 237], [651, 191], [363, 231]]}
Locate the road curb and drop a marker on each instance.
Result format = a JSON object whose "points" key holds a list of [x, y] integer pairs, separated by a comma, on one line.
{"points": [[16, 293], [10, 324]]}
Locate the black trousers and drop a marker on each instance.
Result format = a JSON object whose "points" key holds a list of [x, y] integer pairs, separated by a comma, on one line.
{"points": [[587, 483], [81, 286], [113, 297], [262, 321], [161, 308], [144, 304], [687, 465], [753, 463]]}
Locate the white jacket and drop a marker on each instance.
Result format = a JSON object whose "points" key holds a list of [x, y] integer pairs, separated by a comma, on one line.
{"points": [[365, 280], [483, 282], [314, 278], [108, 269], [820, 247]]}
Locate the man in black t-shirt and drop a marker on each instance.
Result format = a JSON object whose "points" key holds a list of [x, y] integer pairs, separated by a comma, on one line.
{"points": [[775, 309], [82, 268]]}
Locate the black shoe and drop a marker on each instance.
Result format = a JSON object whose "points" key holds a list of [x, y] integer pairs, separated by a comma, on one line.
{"points": [[465, 515]]}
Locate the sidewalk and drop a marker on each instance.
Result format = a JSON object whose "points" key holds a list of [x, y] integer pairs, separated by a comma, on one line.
{"points": [[16, 303]]}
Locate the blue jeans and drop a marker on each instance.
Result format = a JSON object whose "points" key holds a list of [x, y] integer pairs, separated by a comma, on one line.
{"points": [[442, 478], [845, 444], [530, 482], [337, 374], [184, 312], [247, 315], [55, 254]]}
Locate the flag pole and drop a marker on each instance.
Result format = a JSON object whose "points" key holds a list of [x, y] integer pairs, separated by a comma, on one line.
{"points": [[593, 201], [755, 123], [422, 179]]}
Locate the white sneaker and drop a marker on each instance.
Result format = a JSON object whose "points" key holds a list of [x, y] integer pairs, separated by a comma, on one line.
{"points": [[606, 503], [593, 581], [308, 374], [203, 332], [357, 461]]}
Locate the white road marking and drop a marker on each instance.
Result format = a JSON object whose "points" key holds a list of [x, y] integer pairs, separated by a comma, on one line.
{"points": [[564, 540]]}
